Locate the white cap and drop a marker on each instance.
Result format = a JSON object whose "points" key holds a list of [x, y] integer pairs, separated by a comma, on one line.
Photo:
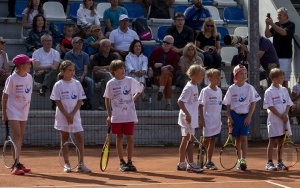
{"points": [[122, 17]]}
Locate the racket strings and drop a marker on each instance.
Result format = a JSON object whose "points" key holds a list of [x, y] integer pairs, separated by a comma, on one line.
{"points": [[228, 157], [9, 154]]}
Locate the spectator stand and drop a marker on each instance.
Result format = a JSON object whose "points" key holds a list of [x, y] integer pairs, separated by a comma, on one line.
{"points": [[73, 7], [101, 7], [234, 17]]}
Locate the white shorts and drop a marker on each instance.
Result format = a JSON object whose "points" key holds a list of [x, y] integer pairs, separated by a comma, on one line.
{"points": [[185, 131], [286, 67]]}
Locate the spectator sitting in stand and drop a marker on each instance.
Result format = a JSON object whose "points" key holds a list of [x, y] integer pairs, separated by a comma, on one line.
{"points": [[93, 41], [33, 41], [81, 61], [4, 66], [195, 15], [66, 42], [181, 33], [100, 66], [164, 63], [34, 7], [45, 65], [160, 8], [112, 14], [122, 37]]}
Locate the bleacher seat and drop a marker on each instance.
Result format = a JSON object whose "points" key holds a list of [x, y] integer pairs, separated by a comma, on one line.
{"points": [[215, 14], [134, 10], [241, 31], [161, 32], [60, 26], [224, 84], [227, 52], [225, 3], [148, 50], [207, 2], [74, 6], [101, 7], [54, 11], [234, 15], [180, 8], [19, 8], [223, 31]]}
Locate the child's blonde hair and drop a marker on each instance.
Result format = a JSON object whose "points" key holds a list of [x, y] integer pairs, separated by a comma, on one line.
{"points": [[116, 64], [194, 70], [211, 72], [63, 66], [275, 73]]}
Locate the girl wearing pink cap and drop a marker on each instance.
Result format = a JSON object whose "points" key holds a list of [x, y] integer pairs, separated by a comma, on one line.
{"points": [[240, 100], [15, 104]]}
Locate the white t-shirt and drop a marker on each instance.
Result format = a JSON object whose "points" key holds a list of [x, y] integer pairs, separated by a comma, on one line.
{"points": [[212, 106], [31, 15], [296, 89], [122, 40], [68, 93], [121, 94], [189, 96], [279, 98], [46, 59], [2, 61], [19, 90], [84, 17], [240, 98], [137, 63]]}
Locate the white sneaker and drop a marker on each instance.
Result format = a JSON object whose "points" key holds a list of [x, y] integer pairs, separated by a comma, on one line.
{"points": [[67, 168], [192, 167], [82, 168]]}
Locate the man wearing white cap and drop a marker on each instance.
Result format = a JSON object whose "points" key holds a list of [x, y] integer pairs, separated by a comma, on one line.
{"points": [[122, 37]]}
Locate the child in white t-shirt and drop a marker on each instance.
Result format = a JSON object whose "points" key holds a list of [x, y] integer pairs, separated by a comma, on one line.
{"points": [[278, 102], [240, 99], [15, 104], [210, 100], [68, 95], [296, 99], [188, 116], [120, 94]]}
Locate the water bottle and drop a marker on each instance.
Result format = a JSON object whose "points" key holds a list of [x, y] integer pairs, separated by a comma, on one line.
{"points": [[150, 101]]}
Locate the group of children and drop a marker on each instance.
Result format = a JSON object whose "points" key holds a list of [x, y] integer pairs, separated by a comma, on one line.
{"points": [[122, 91], [240, 101]]}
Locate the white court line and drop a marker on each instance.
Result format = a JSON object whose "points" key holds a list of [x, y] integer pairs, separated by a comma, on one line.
{"points": [[279, 185]]}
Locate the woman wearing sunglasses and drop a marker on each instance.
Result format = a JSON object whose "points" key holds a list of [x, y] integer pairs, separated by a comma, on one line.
{"points": [[4, 67], [208, 43]]}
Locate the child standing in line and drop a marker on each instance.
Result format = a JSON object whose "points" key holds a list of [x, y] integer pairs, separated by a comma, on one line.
{"points": [[188, 116], [296, 99], [120, 94], [278, 102], [15, 104], [210, 100], [66, 42], [240, 100], [68, 94]]}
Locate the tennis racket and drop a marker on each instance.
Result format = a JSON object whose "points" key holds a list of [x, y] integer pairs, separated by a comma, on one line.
{"points": [[289, 151], [105, 152], [9, 152], [69, 152], [195, 151], [228, 153]]}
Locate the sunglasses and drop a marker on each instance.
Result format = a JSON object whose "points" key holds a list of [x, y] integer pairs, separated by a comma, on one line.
{"points": [[2, 42], [165, 42], [209, 25]]}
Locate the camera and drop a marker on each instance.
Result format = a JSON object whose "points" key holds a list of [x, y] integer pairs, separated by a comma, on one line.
{"points": [[210, 49], [233, 40], [269, 15]]}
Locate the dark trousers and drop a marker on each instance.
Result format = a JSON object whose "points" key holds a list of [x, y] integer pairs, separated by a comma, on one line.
{"points": [[11, 7]]}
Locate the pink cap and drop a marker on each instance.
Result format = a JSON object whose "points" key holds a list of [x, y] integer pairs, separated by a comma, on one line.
{"points": [[237, 69], [21, 59]]}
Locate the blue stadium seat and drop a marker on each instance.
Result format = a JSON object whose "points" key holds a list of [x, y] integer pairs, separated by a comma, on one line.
{"points": [[134, 11], [161, 32], [223, 31], [74, 6], [234, 15], [61, 26], [19, 8], [148, 50], [180, 8], [204, 2]]}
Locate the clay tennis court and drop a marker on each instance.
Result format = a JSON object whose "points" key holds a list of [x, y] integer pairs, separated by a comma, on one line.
{"points": [[156, 168]]}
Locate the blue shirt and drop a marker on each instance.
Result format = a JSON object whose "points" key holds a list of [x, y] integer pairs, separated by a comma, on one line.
{"points": [[89, 49], [113, 16], [79, 61], [270, 55], [195, 18]]}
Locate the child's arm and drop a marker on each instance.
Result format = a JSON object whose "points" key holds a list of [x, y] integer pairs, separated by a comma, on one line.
{"points": [[186, 112], [201, 116], [250, 113], [136, 95], [108, 108], [283, 116], [4, 101], [76, 108]]}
